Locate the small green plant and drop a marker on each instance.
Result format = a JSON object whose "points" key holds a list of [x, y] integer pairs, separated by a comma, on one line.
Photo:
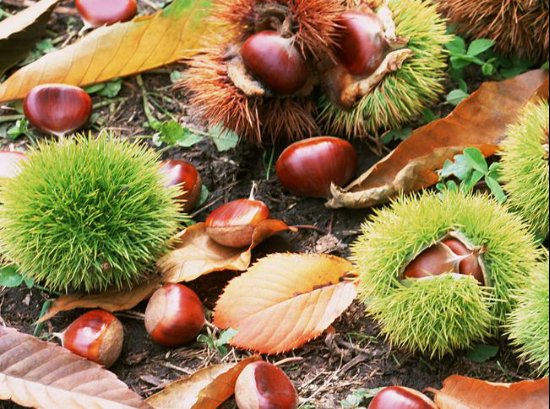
{"points": [[219, 344], [106, 89], [87, 213], [358, 398], [11, 276], [171, 133], [470, 168]]}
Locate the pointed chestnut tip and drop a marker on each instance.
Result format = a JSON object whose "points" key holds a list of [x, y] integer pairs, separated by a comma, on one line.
{"points": [[57, 108], [96, 13]]}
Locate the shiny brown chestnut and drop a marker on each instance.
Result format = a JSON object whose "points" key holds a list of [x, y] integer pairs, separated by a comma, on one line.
{"points": [[397, 397], [361, 45], [185, 176], [57, 108], [308, 167], [9, 163], [97, 336], [97, 13], [174, 315], [232, 225], [262, 385], [275, 61], [448, 256]]}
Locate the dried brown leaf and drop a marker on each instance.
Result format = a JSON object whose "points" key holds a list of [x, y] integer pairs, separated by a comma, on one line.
{"points": [[35, 373], [480, 121]]}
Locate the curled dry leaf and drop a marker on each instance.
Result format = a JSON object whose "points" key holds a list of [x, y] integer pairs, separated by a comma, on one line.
{"points": [[285, 300], [110, 300], [460, 392], [480, 121], [207, 388], [39, 374], [19, 33], [118, 50], [197, 254]]}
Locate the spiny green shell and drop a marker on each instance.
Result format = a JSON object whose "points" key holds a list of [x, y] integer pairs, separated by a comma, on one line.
{"points": [[525, 169], [86, 214], [446, 313], [403, 95], [529, 321]]}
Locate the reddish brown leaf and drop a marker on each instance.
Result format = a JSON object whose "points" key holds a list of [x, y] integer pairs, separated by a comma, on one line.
{"points": [[285, 300], [39, 374], [197, 255], [480, 121], [206, 389], [460, 392], [111, 300]]}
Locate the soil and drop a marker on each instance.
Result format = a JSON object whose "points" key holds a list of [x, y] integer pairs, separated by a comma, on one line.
{"points": [[325, 371]]}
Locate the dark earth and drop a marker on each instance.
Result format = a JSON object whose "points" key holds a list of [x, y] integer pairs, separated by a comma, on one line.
{"points": [[325, 371]]}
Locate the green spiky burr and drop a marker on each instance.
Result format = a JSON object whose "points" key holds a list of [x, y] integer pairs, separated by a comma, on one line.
{"points": [[525, 170], [87, 213], [444, 313], [404, 94], [528, 327]]}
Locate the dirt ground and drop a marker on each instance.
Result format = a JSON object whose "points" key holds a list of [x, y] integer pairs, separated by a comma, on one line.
{"points": [[326, 370]]}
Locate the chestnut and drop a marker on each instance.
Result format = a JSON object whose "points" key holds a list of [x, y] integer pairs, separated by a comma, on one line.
{"points": [[448, 256], [262, 385], [96, 13], [361, 46], [397, 397], [275, 61], [184, 175], [174, 315], [57, 108], [9, 163], [97, 336], [308, 167], [232, 225]]}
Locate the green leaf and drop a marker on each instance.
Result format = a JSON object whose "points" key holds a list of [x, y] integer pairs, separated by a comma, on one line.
{"points": [[429, 116], [359, 397], [457, 45], [223, 138], [463, 85], [496, 189], [107, 89], [476, 160], [479, 46], [20, 128], [204, 196], [397, 135], [456, 96], [461, 61], [10, 277], [495, 171], [469, 184], [226, 336], [460, 168], [172, 133], [488, 69], [483, 353]]}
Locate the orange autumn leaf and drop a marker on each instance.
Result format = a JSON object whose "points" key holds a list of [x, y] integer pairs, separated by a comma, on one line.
{"points": [[197, 254], [110, 300], [460, 392], [285, 300], [207, 388], [35, 373], [118, 50], [480, 121]]}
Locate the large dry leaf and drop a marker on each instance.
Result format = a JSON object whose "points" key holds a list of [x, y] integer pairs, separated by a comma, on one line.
{"points": [[197, 254], [35, 373], [207, 388], [460, 392], [110, 300], [118, 50], [285, 300], [480, 121], [19, 33]]}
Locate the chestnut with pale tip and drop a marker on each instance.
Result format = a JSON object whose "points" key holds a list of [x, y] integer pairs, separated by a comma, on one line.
{"points": [[233, 224], [57, 108], [275, 61], [97, 336], [398, 397], [362, 45], [174, 315], [10, 163], [262, 385], [308, 167], [97, 13], [184, 175]]}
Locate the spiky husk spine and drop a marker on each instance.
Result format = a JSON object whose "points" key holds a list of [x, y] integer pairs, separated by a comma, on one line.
{"points": [[402, 95], [519, 27], [529, 329], [87, 213], [436, 316], [525, 169]]}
